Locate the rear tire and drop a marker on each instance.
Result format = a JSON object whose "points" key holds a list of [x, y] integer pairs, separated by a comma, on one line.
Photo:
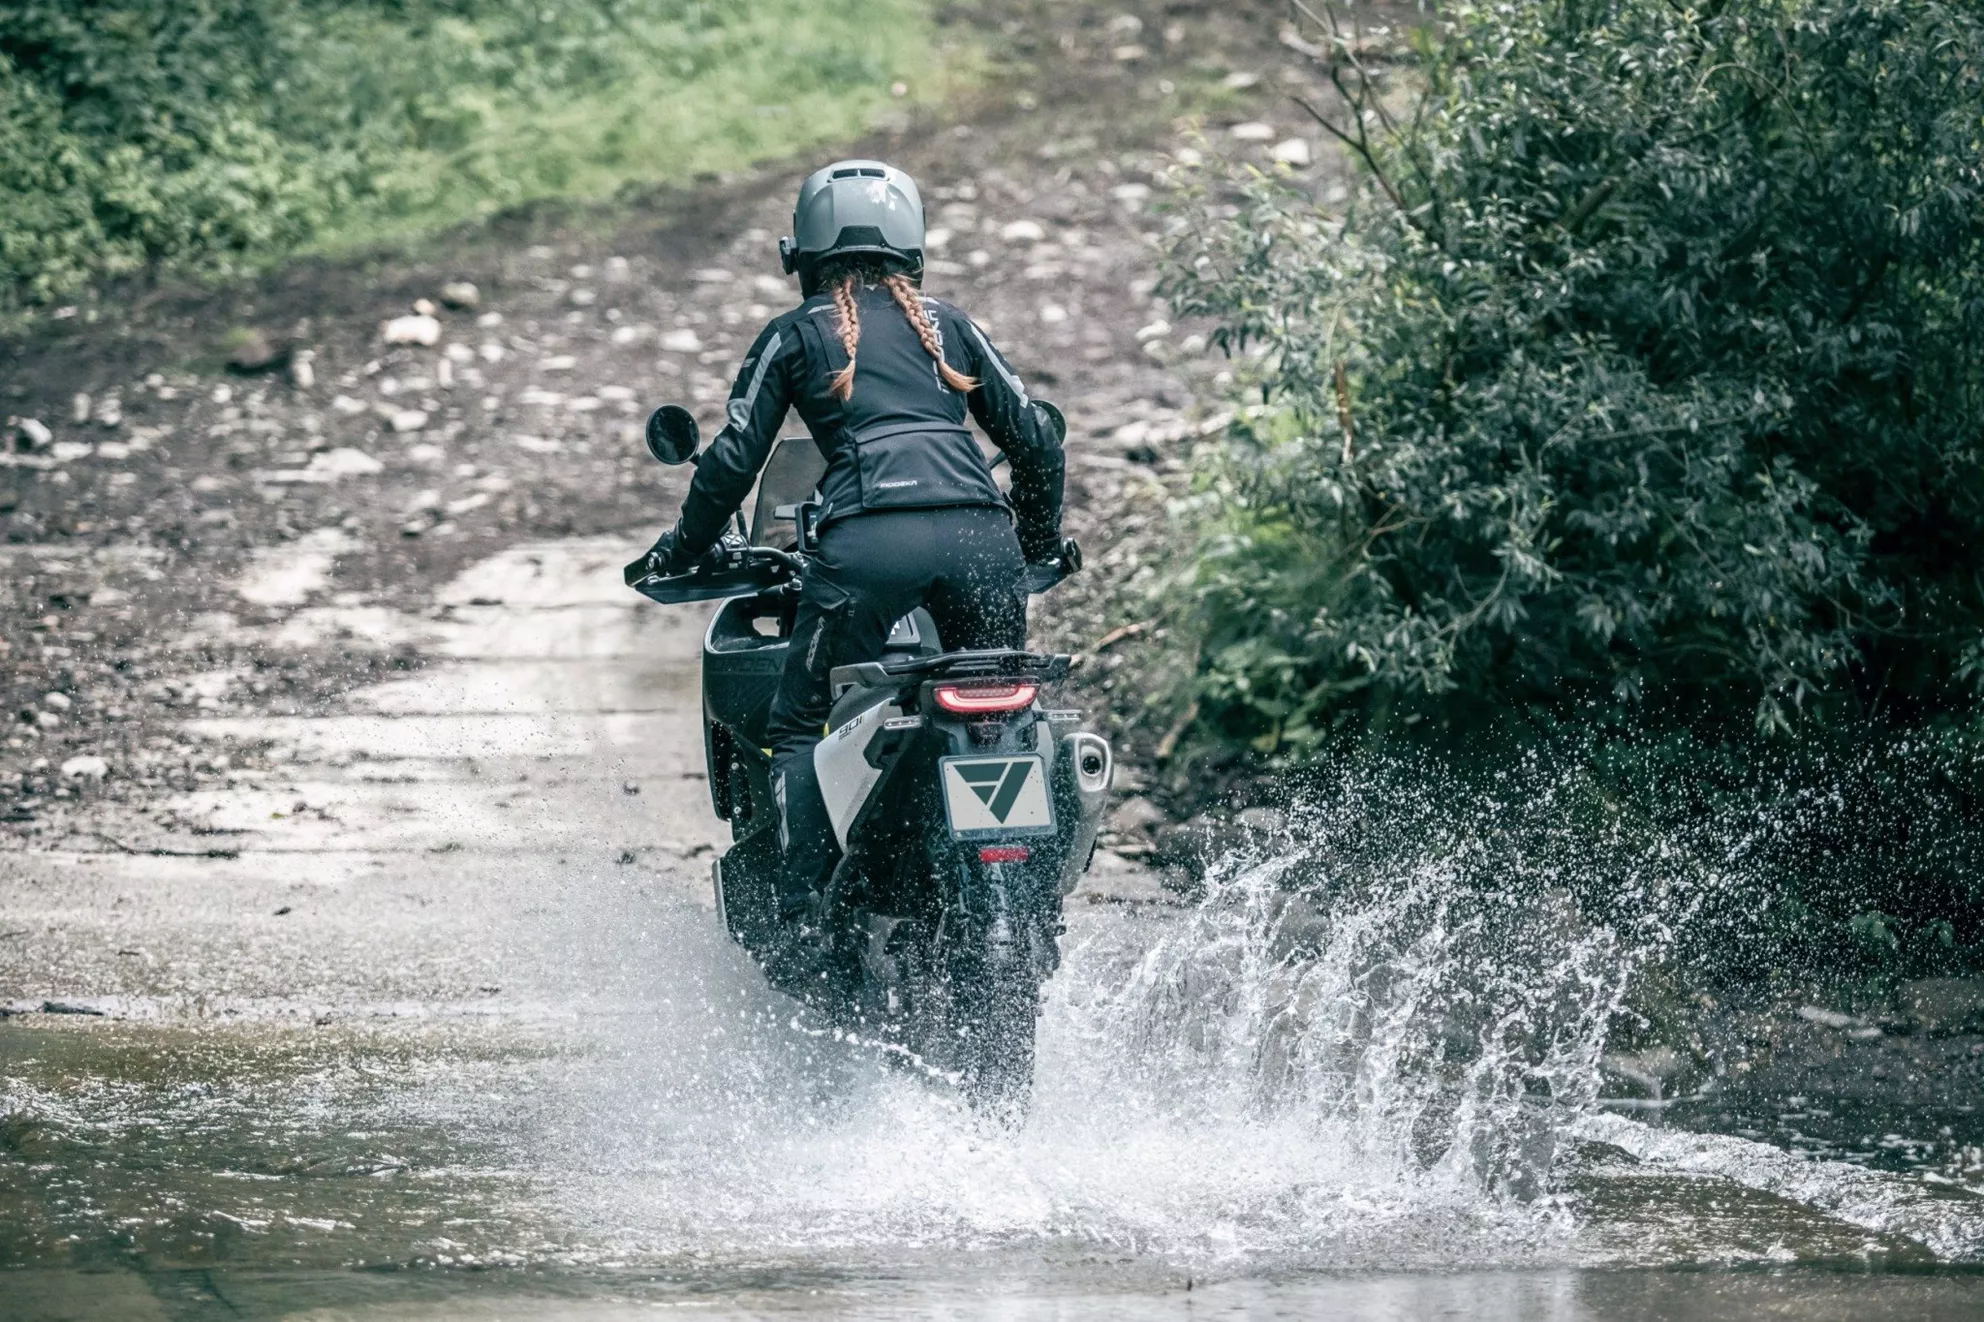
{"points": [[993, 1022]]}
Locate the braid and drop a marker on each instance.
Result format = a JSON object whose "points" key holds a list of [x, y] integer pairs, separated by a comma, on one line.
{"points": [[850, 334], [911, 303]]}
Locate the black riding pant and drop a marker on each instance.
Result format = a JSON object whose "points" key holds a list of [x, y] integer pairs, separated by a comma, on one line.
{"points": [[961, 564]]}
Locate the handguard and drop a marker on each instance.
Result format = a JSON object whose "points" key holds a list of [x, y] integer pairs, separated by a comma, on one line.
{"points": [[729, 570], [1044, 574]]}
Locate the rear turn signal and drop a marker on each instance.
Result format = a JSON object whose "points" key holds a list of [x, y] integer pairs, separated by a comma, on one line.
{"points": [[972, 699], [1004, 854]]}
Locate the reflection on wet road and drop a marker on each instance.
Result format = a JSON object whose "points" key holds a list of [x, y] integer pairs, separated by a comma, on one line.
{"points": [[492, 1059]]}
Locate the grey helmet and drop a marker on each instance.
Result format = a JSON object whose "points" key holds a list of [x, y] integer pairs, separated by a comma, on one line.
{"points": [[854, 207]]}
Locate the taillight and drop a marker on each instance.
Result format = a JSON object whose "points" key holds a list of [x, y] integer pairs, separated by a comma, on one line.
{"points": [[1004, 854], [973, 699]]}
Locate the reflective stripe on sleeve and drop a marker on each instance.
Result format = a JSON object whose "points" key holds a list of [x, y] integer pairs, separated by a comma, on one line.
{"points": [[739, 412], [999, 365]]}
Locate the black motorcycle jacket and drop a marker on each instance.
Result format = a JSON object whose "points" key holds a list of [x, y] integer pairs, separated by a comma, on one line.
{"points": [[900, 441]]}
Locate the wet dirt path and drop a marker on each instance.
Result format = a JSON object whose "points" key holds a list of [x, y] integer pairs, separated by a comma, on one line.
{"points": [[377, 865]]}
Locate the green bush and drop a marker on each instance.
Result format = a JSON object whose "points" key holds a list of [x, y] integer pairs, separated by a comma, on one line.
{"points": [[1639, 382], [217, 133]]}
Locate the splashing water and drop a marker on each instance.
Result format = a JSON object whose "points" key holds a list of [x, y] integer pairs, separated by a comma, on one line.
{"points": [[1322, 1064]]}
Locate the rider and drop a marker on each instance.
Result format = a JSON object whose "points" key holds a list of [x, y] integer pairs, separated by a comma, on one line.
{"points": [[882, 375]]}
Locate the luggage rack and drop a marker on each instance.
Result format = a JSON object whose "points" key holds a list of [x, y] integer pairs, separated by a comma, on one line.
{"points": [[995, 663]]}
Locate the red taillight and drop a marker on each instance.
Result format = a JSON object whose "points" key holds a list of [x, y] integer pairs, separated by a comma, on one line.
{"points": [[971, 699], [1004, 854]]}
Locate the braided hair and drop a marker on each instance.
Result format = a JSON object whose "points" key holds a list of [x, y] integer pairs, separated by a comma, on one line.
{"points": [[840, 282]]}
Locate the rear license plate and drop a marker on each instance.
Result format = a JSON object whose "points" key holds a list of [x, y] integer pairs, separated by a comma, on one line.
{"points": [[1008, 795]]}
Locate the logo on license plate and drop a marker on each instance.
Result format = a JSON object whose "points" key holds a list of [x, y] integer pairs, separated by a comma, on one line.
{"points": [[995, 793]]}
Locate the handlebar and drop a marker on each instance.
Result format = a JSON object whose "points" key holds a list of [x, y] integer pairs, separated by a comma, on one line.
{"points": [[732, 569]]}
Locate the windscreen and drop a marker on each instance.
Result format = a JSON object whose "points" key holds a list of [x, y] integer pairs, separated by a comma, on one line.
{"points": [[791, 475]]}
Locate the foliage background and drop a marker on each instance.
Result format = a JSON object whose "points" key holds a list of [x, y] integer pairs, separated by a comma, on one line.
{"points": [[214, 134], [1632, 408]]}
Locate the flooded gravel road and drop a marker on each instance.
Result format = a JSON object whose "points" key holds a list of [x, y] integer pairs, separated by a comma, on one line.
{"points": [[454, 1035]]}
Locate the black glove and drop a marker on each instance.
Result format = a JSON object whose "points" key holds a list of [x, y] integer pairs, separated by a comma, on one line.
{"points": [[666, 556], [1051, 548]]}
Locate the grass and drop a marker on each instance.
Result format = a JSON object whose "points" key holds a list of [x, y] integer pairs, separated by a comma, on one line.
{"points": [[678, 97], [219, 137]]}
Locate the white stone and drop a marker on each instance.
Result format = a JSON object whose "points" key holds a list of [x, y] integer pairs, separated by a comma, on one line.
{"points": [[625, 335], [35, 432], [416, 329], [56, 701], [460, 353], [1293, 151], [558, 362], [1156, 330], [583, 297], [491, 352], [1253, 131], [1131, 194], [86, 767], [406, 420], [1023, 231], [65, 451], [1052, 314], [713, 275], [682, 341], [347, 462], [935, 240], [772, 287], [615, 393]]}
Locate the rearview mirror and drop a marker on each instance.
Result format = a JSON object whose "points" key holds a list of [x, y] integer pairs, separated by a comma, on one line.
{"points": [[672, 435]]}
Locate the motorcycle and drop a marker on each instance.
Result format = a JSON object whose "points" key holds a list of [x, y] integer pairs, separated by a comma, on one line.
{"points": [[965, 808]]}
